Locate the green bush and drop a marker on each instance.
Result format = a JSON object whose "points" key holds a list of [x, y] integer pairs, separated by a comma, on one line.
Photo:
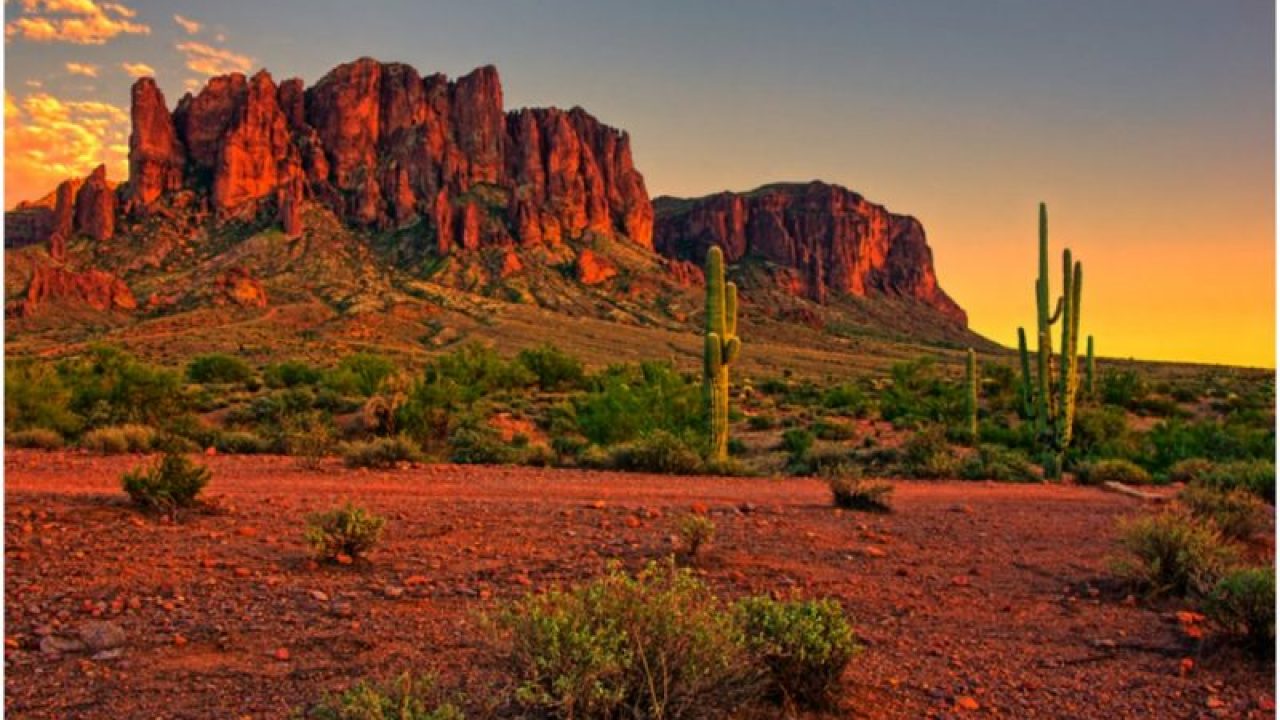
{"points": [[173, 482], [381, 453], [35, 438], [627, 402], [797, 442], [349, 531], [290, 373], [920, 393], [695, 531], [849, 399], [1172, 440], [1113, 470], [359, 374], [833, 430], [805, 645], [36, 397], [109, 387], [450, 388], [658, 645], [657, 452], [119, 439], [926, 454], [994, 462], [1123, 388], [241, 442], [1256, 476], [850, 491], [405, 698], [1172, 553], [1190, 470], [761, 422], [475, 443], [555, 369], [1237, 513], [1244, 603], [218, 368]]}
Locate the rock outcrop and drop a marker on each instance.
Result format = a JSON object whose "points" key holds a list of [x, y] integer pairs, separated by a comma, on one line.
{"points": [[386, 148], [94, 289], [95, 208], [834, 240]]}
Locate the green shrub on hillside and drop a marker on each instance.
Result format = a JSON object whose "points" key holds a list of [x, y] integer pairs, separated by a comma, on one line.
{"points": [[657, 452], [35, 396], [555, 369], [109, 387], [359, 374], [628, 401], [404, 698], [171, 483], [35, 438], [1172, 553], [380, 453], [804, 644], [218, 368], [1113, 470], [1244, 604], [1256, 476]]}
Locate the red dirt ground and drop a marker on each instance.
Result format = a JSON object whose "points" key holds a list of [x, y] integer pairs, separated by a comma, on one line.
{"points": [[972, 600]]}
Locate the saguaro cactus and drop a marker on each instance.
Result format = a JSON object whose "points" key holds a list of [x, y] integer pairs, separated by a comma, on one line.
{"points": [[720, 349], [1052, 403], [971, 383], [1088, 371]]}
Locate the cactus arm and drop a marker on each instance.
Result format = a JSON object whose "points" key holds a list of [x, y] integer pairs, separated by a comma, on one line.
{"points": [[971, 381], [1088, 371], [1028, 394], [730, 311], [1057, 311]]}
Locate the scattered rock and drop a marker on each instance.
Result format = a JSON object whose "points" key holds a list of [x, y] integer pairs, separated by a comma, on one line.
{"points": [[101, 635]]}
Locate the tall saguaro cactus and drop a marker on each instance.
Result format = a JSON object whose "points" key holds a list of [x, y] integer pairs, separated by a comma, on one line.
{"points": [[720, 349], [1052, 401], [1089, 370], [971, 398]]}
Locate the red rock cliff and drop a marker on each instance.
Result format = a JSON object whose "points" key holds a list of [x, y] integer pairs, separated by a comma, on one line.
{"points": [[835, 239], [386, 148]]}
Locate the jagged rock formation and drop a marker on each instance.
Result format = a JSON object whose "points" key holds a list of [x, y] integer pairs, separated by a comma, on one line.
{"points": [[94, 289], [384, 148], [833, 239]]}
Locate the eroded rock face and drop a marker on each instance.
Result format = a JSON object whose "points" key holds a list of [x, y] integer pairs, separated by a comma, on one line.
{"points": [[156, 158], [94, 289], [834, 239], [386, 148], [95, 208]]}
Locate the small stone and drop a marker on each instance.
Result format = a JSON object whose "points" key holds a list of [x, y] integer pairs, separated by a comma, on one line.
{"points": [[99, 636], [1185, 666], [344, 559], [282, 654], [242, 572], [632, 521], [57, 645], [393, 592], [179, 640], [874, 552], [320, 595], [964, 702], [1214, 702]]}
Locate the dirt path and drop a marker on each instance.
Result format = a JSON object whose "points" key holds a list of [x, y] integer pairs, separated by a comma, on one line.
{"points": [[994, 593]]}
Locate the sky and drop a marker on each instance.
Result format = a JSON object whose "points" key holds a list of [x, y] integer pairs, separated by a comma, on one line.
{"points": [[1148, 126]]}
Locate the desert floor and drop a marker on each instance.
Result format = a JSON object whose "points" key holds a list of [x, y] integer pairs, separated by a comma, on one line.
{"points": [[971, 599]]}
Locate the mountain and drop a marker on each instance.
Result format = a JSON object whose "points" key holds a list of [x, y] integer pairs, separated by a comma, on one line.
{"points": [[377, 188], [824, 238]]}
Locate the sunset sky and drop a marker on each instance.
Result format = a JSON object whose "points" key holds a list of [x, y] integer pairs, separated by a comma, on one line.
{"points": [[1147, 126]]}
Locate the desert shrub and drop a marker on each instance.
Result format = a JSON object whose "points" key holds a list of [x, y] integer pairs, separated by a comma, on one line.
{"points": [[1113, 470], [218, 368], [850, 491], [695, 531], [36, 397], [555, 369], [1190, 470], [1172, 553], [762, 422], [349, 531], [309, 438], [659, 644], [290, 373], [1244, 603], [475, 443], [35, 438], [404, 698], [805, 645], [1238, 513], [926, 454], [380, 453], [1173, 440], [109, 387], [919, 393], [994, 462], [451, 386], [1103, 432], [359, 374], [833, 430], [849, 399], [172, 482], [569, 447], [659, 452], [1123, 388], [241, 442], [797, 442], [628, 401], [1256, 476], [119, 439]]}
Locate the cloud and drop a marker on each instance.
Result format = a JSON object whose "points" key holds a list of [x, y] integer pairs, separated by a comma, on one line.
{"points": [[85, 69], [208, 60], [48, 139], [82, 22], [191, 26], [138, 70]]}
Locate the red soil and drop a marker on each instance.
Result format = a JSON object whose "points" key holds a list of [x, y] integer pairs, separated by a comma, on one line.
{"points": [[971, 599]]}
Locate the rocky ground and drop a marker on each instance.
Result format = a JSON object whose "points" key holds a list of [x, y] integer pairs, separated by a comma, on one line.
{"points": [[971, 599]]}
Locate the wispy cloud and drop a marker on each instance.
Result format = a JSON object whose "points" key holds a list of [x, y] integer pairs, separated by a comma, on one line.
{"points": [[85, 69], [48, 139], [191, 26], [138, 69], [82, 22], [209, 60]]}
